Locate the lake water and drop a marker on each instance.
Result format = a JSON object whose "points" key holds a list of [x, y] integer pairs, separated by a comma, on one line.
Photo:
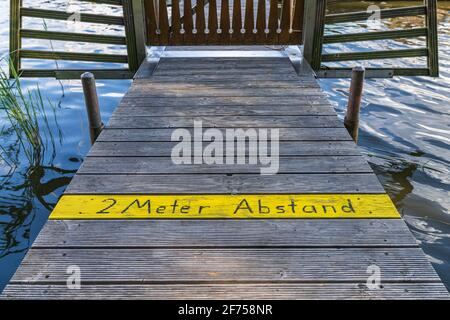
{"points": [[405, 134]]}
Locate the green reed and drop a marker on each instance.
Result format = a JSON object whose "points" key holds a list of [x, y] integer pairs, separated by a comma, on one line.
{"points": [[26, 116]]}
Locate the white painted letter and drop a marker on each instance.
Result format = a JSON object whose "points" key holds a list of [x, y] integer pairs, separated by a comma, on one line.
{"points": [[213, 153], [273, 161], [374, 280], [182, 152], [74, 280]]}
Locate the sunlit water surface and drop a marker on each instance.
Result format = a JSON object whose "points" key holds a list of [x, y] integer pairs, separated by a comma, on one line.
{"points": [[405, 134]]}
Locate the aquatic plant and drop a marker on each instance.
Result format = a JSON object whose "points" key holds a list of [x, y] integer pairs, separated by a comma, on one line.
{"points": [[27, 151], [24, 109]]}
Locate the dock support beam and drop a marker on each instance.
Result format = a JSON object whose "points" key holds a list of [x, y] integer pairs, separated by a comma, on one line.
{"points": [[354, 102], [92, 105]]}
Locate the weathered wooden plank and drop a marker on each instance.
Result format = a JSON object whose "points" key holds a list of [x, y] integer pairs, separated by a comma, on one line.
{"points": [[225, 206], [224, 184], [160, 165], [229, 78], [233, 84], [121, 122], [183, 64], [146, 69], [195, 111], [232, 71], [162, 265], [164, 135], [225, 101], [210, 91], [212, 59], [234, 291], [221, 47], [164, 149], [225, 233], [247, 65]]}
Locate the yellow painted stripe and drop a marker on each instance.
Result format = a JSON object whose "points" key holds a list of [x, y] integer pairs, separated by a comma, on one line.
{"points": [[297, 206]]}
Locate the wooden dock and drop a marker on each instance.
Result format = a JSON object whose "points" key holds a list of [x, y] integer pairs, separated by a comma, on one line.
{"points": [[133, 257]]}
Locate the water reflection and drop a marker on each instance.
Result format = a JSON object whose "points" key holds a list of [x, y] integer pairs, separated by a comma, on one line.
{"points": [[405, 133], [29, 179], [405, 130]]}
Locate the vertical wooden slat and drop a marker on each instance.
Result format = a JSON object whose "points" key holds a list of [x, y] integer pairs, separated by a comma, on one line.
{"points": [[150, 10], [285, 23], [261, 22], [175, 37], [313, 28], [318, 34], [297, 22], [163, 23], [249, 23], [187, 22], [200, 24], [139, 26], [14, 36], [432, 38], [224, 22], [272, 37], [237, 36], [130, 33], [308, 29], [212, 37]]}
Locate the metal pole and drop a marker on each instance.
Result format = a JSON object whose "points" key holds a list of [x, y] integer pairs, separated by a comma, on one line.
{"points": [[92, 105], [354, 102]]}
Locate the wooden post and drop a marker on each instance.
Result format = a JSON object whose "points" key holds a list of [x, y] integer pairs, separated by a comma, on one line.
{"points": [[354, 102], [14, 37], [133, 12], [92, 105], [309, 23], [432, 37], [139, 27], [313, 29]]}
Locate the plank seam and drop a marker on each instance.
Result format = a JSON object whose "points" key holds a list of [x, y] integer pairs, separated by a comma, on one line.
{"points": [[181, 247], [200, 282]]}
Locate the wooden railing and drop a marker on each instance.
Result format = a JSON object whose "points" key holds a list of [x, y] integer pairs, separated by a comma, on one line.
{"points": [[315, 39], [133, 39], [223, 22]]}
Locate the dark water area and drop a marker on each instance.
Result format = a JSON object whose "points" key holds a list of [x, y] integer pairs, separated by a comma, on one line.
{"points": [[405, 135]]}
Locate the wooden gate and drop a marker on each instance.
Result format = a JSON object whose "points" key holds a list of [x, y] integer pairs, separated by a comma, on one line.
{"points": [[224, 22]]}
